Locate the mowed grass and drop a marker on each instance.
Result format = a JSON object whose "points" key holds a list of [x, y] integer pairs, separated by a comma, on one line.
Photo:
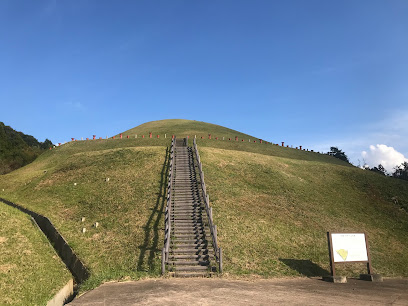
{"points": [[118, 183], [273, 213], [182, 128], [30, 271]]}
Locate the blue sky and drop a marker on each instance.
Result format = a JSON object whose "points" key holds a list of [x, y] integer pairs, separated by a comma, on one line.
{"points": [[312, 73]]}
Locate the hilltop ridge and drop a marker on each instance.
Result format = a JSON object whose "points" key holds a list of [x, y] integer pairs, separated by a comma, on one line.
{"points": [[183, 128]]}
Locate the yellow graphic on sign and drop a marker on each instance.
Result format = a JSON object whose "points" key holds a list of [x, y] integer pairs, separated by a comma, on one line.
{"points": [[343, 253]]}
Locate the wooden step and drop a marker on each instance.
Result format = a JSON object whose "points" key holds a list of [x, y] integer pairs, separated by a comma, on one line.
{"points": [[189, 246], [181, 218], [189, 268], [182, 210], [188, 223], [193, 227], [192, 274], [190, 251], [189, 263], [190, 242], [182, 234], [185, 215], [197, 257], [188, 226]]}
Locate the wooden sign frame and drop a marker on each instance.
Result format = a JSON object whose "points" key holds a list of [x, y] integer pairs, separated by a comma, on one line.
{"points": [[332, 263]]}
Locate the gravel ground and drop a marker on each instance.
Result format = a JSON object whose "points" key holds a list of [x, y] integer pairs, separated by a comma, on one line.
{"points": [[301, 291]]}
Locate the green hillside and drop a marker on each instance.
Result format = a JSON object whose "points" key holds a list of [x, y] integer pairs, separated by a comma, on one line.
{"points": [[272, 205], [30, 271], [183, 128]]}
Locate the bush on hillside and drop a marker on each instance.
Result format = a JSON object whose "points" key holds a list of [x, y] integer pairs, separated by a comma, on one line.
{"points": [[401, 171], [337, 153], [379, 169]]}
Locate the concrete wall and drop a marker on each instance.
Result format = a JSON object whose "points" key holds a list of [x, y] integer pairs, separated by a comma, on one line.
{"points": [[68, 256], [63, 295]]}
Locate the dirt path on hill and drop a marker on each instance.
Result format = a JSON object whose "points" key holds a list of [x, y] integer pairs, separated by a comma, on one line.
{"points": [[302, 291]]}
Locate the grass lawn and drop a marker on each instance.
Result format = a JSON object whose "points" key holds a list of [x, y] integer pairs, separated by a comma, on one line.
{"points": [[66, 186], [31, 273], [273, 213], [182, 128]]}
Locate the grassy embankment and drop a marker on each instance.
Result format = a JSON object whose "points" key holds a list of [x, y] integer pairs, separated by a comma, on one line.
{"points": [[272, 205], [273, 213], [69, 183], [31, 273], [182, 128]]}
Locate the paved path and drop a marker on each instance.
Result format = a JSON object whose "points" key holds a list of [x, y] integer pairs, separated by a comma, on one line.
{"points": [[197, 291]]}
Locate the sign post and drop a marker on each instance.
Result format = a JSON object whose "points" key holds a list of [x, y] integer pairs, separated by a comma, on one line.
{"points": [[349, 248]]}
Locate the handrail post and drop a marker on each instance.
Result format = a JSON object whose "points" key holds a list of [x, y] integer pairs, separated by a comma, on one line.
{"points": [[220, 260], [215, 236], [163, 267]]}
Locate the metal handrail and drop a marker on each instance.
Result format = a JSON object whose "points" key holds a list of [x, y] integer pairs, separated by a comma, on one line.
{"points": [[213, 228], [165, 250]]}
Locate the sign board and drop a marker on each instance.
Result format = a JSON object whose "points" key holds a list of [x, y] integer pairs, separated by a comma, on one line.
{"points": [[349, 247]]}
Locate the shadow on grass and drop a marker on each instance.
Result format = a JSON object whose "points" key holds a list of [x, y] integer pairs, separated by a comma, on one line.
{"points": [[305, 267], [151, 229]]}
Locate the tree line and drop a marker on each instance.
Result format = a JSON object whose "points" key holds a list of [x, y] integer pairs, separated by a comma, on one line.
{"points": [[400, 171], [18, 149]]}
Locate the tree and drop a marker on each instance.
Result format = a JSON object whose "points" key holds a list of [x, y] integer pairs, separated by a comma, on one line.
{"points": [[46, 144], [337, 153], [18, 149], [401, 171], [379, 169]]}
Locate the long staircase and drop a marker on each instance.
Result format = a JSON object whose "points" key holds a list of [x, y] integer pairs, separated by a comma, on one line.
{"points": [[190, 248]]}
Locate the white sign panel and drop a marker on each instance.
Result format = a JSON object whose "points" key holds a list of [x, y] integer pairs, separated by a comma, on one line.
{"points": [[349, 247]]}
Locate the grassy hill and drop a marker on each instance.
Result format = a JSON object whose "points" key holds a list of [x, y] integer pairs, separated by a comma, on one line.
{"points": [[30, 271], [183, 128], [272, 205]]}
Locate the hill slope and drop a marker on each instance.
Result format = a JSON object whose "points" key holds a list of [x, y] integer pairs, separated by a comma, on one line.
{"points": [[183, 128], [30, 271], [272, 205], [273, 213]]}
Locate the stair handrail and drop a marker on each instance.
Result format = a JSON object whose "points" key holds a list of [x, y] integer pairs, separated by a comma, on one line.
{"points": [[167, 229], [212, 226]]}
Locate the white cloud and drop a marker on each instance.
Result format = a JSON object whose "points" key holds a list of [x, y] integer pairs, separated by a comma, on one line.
{"points": [[384, 155], [390, 131]]}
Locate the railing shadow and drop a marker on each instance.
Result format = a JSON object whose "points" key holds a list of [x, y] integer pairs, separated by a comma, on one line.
{"points": [[151, 230], [305, 267]]}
